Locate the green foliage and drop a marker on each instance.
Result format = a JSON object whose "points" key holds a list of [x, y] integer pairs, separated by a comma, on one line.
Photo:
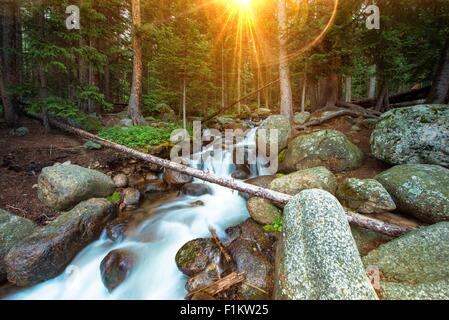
{"points": [[114, 198], [93, 93], [137, 136], [276, 226], [62, 108]]}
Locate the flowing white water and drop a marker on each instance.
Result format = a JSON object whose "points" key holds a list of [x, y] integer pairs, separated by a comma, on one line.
{"points": [[155, 275]]}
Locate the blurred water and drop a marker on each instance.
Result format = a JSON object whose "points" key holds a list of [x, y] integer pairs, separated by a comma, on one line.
{"points": [[171, 225]]}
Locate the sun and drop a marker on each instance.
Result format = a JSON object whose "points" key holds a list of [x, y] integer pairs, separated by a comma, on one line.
{"points": [[243, 3]]}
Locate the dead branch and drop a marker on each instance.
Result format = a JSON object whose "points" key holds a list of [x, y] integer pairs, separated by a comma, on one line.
{"points": [[222, 284], [336, 114], [220, 246]]}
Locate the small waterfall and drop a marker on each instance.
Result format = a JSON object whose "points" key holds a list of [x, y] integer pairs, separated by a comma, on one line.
{"points": [[171, 225]]}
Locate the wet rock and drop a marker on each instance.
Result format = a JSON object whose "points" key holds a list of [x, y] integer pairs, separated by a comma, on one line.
{"points": [[197, 203], [196, 189], [279, 123], [116, 230], [415, 265], [261, 181], [419, 190], [319, 259], [47, 251], [13, 229], [329, 148], [116, 267], [151, 176], [251, 231], [313, 178], [194, 256], [367, 240], [176, 179], [263, 211], [61, 187], [131, 198], [202, 296], [413, 135], [242, 172], [156, 186], [202, 279], [258, 268], [301, 117], [120, 180], [365, 196]]}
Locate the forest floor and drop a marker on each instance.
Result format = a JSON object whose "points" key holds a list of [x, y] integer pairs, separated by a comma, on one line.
{"points": [[22, 158]]}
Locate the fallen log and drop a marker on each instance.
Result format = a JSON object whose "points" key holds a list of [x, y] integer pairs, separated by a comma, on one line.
{"points": [[367, 113], [221, 284], [276, 197], [412, 95], [220, 246]]}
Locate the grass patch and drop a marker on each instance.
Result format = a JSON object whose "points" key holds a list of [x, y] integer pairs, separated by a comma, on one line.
{"points": [[137, 136]]}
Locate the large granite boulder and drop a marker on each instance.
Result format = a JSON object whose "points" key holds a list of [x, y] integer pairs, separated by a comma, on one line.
{"points": [[418, 134], [61, 187], [329, 148], [364, 196], [12, 230], [313, 178], [48, 250], [319, 258], [275, 122], [414, 266], [419, 190]]}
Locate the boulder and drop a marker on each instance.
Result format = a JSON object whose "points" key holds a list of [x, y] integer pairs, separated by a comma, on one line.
{"points": [[263, 112], [263, 211], [166, 113], [261, 181], [329, 148], [319, 259], [258, 269], [202, 279], [194, 256], [196, 189], [48, 250], [13, 229], [175, 178], [131, 198], [19, 132], [313, 178], [126, 123], [251, 231], [301, 118], [156, 186], [242, 172], [90, 145], [61, 187], [415, 265], [367, 240], [120, 180], [364, 196], [276, 122], [116, 267], [419, 190], [412, 135]]}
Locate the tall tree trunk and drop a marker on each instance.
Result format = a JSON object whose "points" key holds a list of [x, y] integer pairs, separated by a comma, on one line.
{"points": [[184, 103], [9, 112], [348, 89], [83, 74], [330, 92], [223, 99], [381, 97], [304, 90], [440, 86], [372, 86], [11, 45], [136, 87], [284, 70]]}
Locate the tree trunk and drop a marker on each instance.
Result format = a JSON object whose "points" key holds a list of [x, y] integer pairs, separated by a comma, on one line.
{"points": [[330, 92], [223, 99], [372, 86], [284, 70], [304, 90], [184, 98], [348, 89], [9, 112], [136, 87], [83, 74], [381, 97], [440, 86]]}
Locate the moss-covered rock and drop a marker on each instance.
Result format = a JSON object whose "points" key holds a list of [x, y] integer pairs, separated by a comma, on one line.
{"points": [[367, 240], [313, 178], [61, 187], [329, 148], [364, 196], [414, 265], [12, 230], [194, 256], [275, 122], [48, 250], [418, 134], [262, 210], [419, 190]]}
